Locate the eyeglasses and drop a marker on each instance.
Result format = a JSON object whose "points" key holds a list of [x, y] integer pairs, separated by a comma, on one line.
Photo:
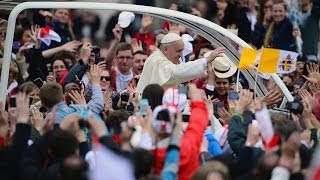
{"points": [[124, 57], [106, 78]]}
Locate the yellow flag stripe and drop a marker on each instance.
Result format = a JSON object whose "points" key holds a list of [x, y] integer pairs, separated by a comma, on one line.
{"points": [[269, 60], [247, 59]]}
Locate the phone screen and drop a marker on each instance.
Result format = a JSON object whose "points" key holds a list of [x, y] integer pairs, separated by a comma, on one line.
{"points": [[125, 97], [38, 82], [183, 90], [185, 117], [233, 95], [143, 103], [13, 102], [216, 106]]}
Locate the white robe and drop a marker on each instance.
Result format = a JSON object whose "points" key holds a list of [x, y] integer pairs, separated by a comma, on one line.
{"points": [[159, 70]]}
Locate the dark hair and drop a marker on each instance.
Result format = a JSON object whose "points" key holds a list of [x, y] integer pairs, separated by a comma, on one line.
{"points": [[123, 47], [64, 55], [204, 46], [140, 52], [73, 167], [64, 62], [19, 34], [51, 94], [63, 144], [114, 120], [285, 128], [154, 94], [143, 162]]}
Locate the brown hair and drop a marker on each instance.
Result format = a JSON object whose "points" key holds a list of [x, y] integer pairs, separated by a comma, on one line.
{"points": [[124, 47], [27, 87], [211, 167], [270, 31], [51, 94]]}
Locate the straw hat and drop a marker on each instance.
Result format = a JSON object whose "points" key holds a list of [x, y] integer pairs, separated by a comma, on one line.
{"points": [[222, 66]]}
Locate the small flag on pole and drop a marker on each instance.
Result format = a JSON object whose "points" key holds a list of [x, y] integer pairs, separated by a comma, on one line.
{"points": [[248, 58]]}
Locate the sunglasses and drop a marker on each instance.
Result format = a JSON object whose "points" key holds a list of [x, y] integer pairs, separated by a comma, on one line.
{"points": [[106, 78]]}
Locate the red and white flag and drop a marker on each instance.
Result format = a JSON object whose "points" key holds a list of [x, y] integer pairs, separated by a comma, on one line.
{"points": [[46, 34]]}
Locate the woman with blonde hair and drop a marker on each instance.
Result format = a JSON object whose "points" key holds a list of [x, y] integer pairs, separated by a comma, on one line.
{"points": [[280, 34]]}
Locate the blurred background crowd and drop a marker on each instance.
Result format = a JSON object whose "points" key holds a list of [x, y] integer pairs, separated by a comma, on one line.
{"points": [[72, 105]]}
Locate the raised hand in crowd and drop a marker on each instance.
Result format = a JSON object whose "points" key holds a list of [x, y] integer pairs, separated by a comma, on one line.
{"points": [[310, 120], [244, 101], [224, 115], [85, 52], [146, 24], [50, 78], [37, 119], [272, 98], [253, 135], [174, 28], [102, 65], [22, 102], [71, 46], [107, 101], [23, 49], [94, 75], [34, 35], [306, 96], [136, 45], [313, 73], [77, 97], [117, 32]]}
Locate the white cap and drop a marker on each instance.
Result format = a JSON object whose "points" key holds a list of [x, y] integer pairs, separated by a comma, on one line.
{"points": [[170, 37], [172, 97], [125, 18]]}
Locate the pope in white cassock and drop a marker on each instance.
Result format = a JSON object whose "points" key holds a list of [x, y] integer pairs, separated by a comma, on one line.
{"points": [[164, 68]]}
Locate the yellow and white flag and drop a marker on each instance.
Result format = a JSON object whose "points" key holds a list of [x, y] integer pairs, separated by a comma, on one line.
{"points": [[268, 60]]}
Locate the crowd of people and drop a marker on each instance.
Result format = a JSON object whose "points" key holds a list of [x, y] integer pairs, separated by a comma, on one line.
{"points": [[140, 104]]}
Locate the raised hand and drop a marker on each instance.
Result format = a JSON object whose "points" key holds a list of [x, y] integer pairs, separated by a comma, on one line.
{"points": [[306, 96], [245, 99], [22, 102], [34, 33], [23, 49], [224, 115], [117, 32], [272, 98], [136, 45], [253, 135], [37, 119], [77, 98], [146, 24], [71, 46], [313, 73], [174, 28], [94, 75], [85, 52]]}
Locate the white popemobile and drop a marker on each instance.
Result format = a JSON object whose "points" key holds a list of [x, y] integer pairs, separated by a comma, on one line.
{"points": [[214, 33]]}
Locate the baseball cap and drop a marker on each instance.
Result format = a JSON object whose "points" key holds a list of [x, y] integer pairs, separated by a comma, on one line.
{"points": [[125, 18]]}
